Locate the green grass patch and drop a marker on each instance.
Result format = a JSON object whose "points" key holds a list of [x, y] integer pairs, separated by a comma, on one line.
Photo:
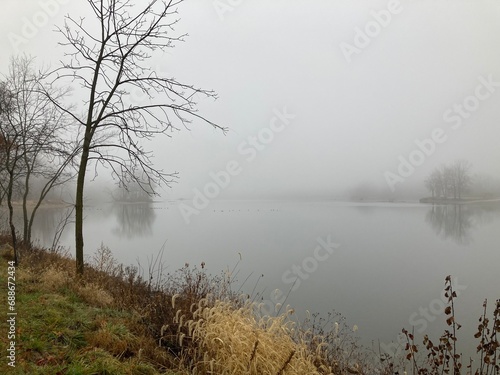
{"points": [[58, 332]]}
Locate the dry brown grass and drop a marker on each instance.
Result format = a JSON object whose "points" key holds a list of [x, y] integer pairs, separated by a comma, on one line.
{"points": [[54, 278], [6, 251], [225, 339], [95, 295], [114, 338]]}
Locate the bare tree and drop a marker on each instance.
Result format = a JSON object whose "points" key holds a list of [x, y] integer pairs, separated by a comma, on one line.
{"points": [[461, 175], [435, 183], [449, 187], [450, 180], [9, 157], [4, 107], [108, 60], [32, 134]]}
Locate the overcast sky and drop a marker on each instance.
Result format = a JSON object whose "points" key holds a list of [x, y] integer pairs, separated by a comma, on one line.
{"points": [[357, 85]]}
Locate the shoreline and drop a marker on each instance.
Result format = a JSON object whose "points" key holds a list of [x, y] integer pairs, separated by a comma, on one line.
{"points": [[425, 200], [429, 200]]}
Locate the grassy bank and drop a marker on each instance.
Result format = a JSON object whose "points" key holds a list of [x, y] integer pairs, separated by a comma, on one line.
{"points": [[115, 321], [71, 326]]}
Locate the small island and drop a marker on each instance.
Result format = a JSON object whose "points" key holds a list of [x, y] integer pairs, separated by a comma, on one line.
{"points": [[450, 183]]}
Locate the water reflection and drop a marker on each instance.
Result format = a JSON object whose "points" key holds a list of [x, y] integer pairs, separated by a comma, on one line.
{"points": [[451, 222], [49, 221], [134, 219], [130, 220], [458, 221], [49, 224]]}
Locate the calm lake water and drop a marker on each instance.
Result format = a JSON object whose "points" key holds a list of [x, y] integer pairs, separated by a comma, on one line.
{"points": [[381, 265]]}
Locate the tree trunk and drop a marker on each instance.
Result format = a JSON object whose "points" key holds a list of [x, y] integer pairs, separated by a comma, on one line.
{"points": [[79, 204], [31, 220], [26, 237], [11, 216]]}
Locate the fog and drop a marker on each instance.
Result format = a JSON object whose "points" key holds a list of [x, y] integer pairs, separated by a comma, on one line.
{"points": [[322, 99]]}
